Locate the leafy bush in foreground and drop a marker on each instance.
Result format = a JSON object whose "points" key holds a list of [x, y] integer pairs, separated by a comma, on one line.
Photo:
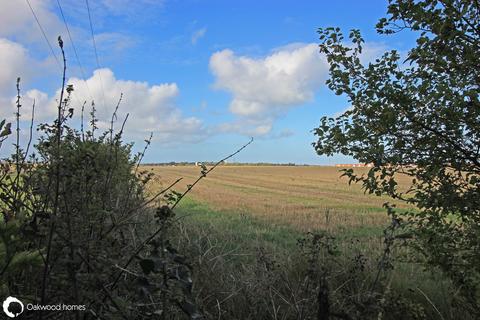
{"points": [[77, 228], [419, 118]]}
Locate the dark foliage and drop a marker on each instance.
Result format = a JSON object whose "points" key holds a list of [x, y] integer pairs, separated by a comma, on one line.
{"points": [[77, 228], [421, 118]]}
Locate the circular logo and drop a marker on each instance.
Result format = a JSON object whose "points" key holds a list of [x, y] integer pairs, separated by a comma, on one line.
{"points": [[12, 307]]}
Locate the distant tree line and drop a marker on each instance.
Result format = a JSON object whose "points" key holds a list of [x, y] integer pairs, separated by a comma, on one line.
{"points": [[211, 163]]}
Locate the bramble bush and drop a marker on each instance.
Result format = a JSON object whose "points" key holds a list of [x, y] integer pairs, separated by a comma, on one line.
{"points": [[78, 229]]}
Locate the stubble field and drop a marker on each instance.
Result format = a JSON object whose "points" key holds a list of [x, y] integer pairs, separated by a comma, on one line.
{"points": [[239, 212], [305, 198], [247, 207]]}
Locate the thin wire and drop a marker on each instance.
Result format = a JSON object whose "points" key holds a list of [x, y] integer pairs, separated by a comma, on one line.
{"points": [[74, 49], [46, 39], [95, 49], [44, 35]]}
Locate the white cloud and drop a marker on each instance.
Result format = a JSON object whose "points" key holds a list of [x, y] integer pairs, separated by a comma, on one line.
{"points": [[266, 88], [14, 62], [246, 127], [152, 108], [372, 51], [16, 19], [18, 24], [254, 129], [198, 34]]}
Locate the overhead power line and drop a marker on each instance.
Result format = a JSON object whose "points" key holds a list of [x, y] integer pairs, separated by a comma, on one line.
{"points": [[95, 49], [46, 40], [74, 49], [43, 32]]}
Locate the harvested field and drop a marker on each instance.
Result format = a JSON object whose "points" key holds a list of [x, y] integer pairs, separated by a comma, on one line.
{"points": [[239, 212], [304, 197]]}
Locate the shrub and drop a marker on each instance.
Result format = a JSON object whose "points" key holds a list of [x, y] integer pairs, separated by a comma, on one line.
{"points": [[78, 229], [418, 118]]}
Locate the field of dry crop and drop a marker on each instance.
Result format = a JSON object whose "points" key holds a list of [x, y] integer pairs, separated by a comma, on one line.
{"points": [[304, 197], [238, 211]]}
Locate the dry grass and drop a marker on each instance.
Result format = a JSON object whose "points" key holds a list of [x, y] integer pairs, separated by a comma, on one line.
{"points": [[238, 211], [306, 198]]}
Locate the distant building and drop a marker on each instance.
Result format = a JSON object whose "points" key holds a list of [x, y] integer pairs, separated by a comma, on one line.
{"points": [[354, 165]]}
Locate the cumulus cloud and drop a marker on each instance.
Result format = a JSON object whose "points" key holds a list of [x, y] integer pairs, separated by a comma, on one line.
{"points": [[14, 61], [198, 34], [266, 88], [152, 108]]}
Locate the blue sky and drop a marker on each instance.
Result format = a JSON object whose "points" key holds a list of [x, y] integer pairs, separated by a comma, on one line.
{"points": [[203, 76]]}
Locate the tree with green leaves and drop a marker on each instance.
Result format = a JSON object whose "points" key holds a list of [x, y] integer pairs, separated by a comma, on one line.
{"points": [[417, 116]]}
